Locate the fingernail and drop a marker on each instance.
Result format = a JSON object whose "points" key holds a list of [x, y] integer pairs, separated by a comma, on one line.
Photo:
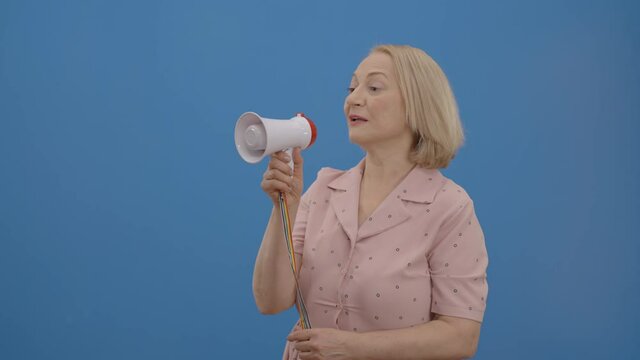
{"points": [[286, 157]]}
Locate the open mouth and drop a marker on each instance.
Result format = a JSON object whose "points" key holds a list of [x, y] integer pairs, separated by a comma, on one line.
{"points": [[357, 119]]}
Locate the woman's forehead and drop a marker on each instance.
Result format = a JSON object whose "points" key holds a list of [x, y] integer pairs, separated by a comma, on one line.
{"points": [[376, 63]]}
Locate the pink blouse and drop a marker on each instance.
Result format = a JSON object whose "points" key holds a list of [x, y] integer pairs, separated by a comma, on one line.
{"points": [[420, 252]]}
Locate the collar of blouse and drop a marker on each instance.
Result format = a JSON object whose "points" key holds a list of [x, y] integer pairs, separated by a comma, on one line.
{"points": [[419, 186]]}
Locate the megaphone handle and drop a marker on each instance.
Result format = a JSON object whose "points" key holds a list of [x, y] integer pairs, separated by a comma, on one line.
{"points": [[289, 151]]}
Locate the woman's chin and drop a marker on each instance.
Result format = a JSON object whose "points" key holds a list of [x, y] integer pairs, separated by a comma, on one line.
{"points": [[359, 139], [355, 138]]}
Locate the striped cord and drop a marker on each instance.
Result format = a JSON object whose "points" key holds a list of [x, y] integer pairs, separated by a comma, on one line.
{"points": [[286, 223]]}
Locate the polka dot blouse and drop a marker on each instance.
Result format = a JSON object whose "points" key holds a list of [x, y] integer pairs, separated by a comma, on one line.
{"points": [[420, 252]]}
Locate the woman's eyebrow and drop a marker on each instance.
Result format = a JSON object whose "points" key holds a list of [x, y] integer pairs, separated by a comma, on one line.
{"points": [[371, 74]]}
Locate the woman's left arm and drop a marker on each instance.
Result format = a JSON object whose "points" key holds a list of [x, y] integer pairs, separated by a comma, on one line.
{"points": [[445, 337]]}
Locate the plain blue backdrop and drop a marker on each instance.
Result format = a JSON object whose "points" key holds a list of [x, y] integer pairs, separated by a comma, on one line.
{"points": [[129, 225]]}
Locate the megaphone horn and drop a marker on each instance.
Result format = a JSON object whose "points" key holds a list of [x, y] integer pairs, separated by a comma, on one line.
{"points": [[257, 137]]}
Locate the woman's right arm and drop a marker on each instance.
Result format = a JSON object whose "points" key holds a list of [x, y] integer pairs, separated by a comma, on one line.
{"points": [[273, 281]]}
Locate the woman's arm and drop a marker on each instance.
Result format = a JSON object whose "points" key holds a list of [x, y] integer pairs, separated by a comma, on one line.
{"points": [[445, 337], [273, 282]]}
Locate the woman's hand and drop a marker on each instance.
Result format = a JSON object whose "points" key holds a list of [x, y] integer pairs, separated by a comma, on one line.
{"points": [[279, 177], [321, 344]]}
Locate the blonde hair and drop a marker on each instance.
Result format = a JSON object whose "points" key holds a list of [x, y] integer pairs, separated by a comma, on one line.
{"points": [[431, 109]]}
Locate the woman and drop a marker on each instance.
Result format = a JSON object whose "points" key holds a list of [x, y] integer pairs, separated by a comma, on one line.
{"points": [[391, 257]]}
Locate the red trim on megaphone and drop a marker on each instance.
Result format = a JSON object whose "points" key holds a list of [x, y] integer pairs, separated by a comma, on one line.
{"points": [[314, 131]]}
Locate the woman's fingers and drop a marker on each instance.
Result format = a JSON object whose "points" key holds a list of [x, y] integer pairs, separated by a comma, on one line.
{"points": [[273, 174], [277, 163], [279, 176], [274, 186], [299, 334], [304, 346], [282, 156], [297, 163]]}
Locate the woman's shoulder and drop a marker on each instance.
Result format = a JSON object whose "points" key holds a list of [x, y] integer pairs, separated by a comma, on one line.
{"points": [[320, 185], [459, 193], [329, 172], [325, 177], [452, 196]]}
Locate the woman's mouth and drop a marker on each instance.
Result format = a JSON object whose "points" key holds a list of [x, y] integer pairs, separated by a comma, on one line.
{"points": [[356, 120]]}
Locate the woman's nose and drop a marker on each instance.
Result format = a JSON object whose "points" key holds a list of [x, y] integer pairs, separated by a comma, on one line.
{"points": [[354, 98]]}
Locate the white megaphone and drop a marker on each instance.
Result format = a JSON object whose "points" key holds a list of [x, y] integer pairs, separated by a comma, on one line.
{"points": [[257, 137]]}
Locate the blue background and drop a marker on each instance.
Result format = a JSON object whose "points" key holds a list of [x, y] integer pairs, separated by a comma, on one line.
{"points": [[129, 225]]}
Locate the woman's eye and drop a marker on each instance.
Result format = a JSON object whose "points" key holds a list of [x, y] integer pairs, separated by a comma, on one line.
{"points": [[350, 89], [374, 88]]}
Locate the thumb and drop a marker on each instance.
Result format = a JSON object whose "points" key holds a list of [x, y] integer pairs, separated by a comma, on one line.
{"points": [[299, 335], [297, 163]]}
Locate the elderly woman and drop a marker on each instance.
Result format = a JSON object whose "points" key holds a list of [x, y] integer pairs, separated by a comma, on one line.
{"points": [[391, 257]]}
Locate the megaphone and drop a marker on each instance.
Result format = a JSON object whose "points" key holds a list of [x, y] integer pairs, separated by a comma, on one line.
{"points": [[257, 137]]}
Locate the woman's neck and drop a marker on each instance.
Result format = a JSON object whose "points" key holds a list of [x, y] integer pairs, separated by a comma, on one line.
{"points": [[386, 168]]}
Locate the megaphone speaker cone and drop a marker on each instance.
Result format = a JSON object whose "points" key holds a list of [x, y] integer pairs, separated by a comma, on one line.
{"points": [[255, 137]]}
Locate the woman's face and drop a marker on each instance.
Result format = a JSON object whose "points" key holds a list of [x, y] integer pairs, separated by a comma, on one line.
{"points": [[374, 107]]}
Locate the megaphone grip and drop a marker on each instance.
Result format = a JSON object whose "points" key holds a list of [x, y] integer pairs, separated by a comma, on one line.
{"points": [[289, 151]]}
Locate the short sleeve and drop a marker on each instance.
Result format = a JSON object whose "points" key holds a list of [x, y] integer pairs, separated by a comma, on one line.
{"points": [[458, 262], [300, 223]]}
